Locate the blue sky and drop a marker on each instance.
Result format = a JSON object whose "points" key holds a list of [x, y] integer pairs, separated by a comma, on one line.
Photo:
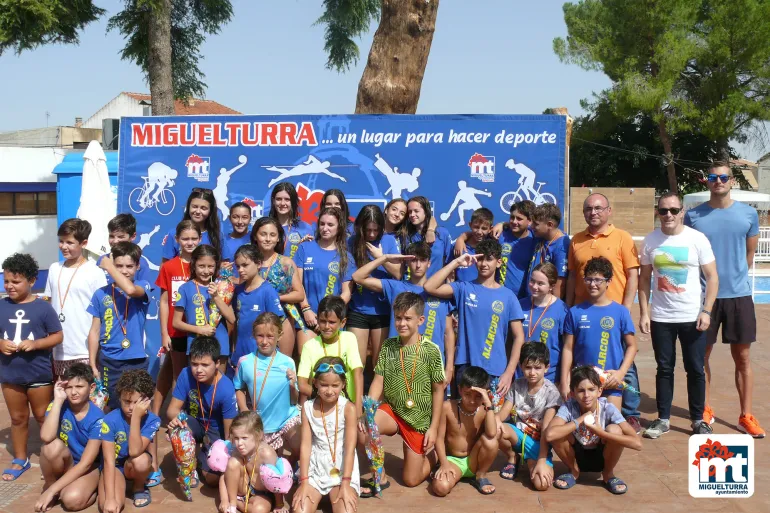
{"points": [[488, 56]]}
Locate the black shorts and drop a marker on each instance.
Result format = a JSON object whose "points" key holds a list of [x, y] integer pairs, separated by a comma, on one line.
{"points": [[736, 317], [589, 460], [179, 344], [367, 322]]}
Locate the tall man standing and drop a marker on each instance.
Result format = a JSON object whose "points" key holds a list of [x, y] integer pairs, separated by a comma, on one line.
{"points": [[601, 238], [733, 230]]}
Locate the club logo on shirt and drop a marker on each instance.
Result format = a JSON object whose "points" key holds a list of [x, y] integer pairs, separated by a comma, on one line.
{"points": [[120, 436], [66, 426], [294, 238], [547, 323], [255, 308], [105, 428], [607, 323], [497, 306], [334, 267], [471, 301], [309, 260], [107, 301], [507, 249], [238, 304], [198, 299], [433, 303]]}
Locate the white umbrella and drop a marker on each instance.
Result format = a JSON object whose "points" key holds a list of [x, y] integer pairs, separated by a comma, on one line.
{"points": [[97, 203]]}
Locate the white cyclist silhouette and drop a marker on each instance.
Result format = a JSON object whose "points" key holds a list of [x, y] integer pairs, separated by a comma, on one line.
{"points": [[398, 181], [220, 191], [312, 166], [466, 195], [159, 179], [526, 188]]}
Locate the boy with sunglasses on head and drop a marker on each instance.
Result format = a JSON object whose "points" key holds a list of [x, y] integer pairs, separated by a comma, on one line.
{"points": [[594, 332]]}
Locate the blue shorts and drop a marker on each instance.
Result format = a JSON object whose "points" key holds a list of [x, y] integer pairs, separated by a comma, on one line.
{"points": [[531, 446], [111, 371], [612, 393], [197, 431]]}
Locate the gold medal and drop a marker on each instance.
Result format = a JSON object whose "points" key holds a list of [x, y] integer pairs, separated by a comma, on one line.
{"points": [[334, 472], [125, 344], [409, 403]]}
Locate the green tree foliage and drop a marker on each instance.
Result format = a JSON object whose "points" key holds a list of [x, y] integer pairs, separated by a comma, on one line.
{"points": [[191, 21], [346, 20], [26, 24]]}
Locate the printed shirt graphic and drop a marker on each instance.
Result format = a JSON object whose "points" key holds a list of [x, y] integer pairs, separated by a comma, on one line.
{"points": [[74, 433], [116, 429], [224, 407], [173, 274], [27, 321], [598, 332], [529, 410], [274, 406], [320, 272], [517, 253], [293, 234], [727, 230], [549, 331], [676, 259], [365, 301], [485, 317], [436, 310], [608, 414], [429, 370], [196, 303], [112, 342], [346, 348], [247, 306]]}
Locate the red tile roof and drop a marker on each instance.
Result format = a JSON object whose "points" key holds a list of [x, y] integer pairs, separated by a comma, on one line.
{"points": [[183, 108]]}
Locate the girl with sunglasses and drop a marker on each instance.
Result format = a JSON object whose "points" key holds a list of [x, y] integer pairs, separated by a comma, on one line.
{"points": [[201, 209], [328, 464]]}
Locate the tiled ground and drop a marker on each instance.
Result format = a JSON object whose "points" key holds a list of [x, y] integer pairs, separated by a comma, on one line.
{"points": [[657, 476]]}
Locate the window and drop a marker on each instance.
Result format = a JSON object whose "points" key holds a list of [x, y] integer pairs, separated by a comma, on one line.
{"points": [[27, 203]]}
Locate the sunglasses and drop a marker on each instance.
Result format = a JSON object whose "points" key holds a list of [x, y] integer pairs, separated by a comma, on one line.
{"points": [[324, 367], [597, 281], [721, 178], [664, 211], [200, 189]]}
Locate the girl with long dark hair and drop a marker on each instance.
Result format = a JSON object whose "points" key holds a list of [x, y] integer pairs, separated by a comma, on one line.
{"points": [[418, 228], [335, 198], [284, 208], [201, 208]]}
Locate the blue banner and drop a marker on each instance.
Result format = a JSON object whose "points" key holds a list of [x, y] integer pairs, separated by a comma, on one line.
{"points": [[460, 163]]}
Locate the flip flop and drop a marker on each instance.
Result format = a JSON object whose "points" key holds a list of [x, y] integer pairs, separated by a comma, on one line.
{"points": [[567, 478], [479, 485], [142, 495], [511, 469], [613, 484], [369, 483], [155, 479], [16, 472]]}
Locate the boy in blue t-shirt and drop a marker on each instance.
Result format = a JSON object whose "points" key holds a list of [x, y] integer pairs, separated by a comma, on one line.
{"points": [[551, 245], [72, 440], [487, 312], [119, 310], [208, 398], [595, 331], [126, 437], [480, 225], [438, 321], [518, 246]]}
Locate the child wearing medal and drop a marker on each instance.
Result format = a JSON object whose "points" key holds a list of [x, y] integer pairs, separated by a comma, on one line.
{"points": [[267, 379], [119, 310], [208, 398], [328, 464], [544, 317], [551, 245], [244, 487], [410, 376]]}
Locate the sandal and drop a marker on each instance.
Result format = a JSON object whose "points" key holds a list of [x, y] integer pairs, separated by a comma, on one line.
{"points": [[614, 484], [16, 472], [479, 485], [510, 469], [567, 478], [155, 479], [142, 495], [369, 483]]}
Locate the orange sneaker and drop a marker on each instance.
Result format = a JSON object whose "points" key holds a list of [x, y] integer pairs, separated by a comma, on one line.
{"points": [[708, 415], [750, 425]]}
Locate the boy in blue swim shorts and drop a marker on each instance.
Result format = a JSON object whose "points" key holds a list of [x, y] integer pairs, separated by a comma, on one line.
{"points": [[531, 403]]}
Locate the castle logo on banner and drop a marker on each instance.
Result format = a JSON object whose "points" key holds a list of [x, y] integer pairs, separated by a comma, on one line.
{"points": [[721, 466]]}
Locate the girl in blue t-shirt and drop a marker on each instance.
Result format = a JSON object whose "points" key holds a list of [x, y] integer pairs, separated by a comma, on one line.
{"points": [[192, 313], [201, 208], [267, 237], [544, 316], [395, 214], [335, 198], [240, 219], [266, 382], [324, 267], [369, 312], [284, 208], [420, 226], [30, 329]]}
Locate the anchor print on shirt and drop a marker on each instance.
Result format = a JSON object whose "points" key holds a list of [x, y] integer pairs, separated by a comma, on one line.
{"points": [[18, 322]]}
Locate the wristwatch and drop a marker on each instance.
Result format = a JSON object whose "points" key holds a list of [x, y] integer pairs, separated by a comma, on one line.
{"points": [[489, 408], [707, 312]]}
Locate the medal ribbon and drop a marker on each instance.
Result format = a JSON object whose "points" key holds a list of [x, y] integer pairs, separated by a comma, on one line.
{"points": [[58, 283], [264, 380], [533, 325], [207, 424], [121, 323], [414, 367], [336, 420]]}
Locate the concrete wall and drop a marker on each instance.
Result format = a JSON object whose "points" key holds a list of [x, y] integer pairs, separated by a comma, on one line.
{"points": [[35, 235], [29, 164], [118, 107]]}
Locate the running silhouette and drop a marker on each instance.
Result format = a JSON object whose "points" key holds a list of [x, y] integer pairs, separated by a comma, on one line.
{"points": [[220, 191], [398, 181], [158, 175], [466, 195], [312, 166]]}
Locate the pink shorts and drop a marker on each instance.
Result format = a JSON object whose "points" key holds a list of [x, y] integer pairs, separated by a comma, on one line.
{"points": [[275, 440]]}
